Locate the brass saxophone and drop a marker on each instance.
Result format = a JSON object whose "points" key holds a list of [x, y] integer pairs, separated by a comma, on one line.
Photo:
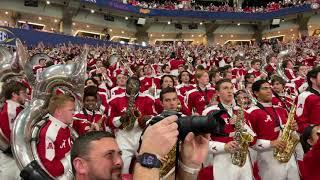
{"points": [[243, 138], [290, 137], [168, 163], [132, 113]]}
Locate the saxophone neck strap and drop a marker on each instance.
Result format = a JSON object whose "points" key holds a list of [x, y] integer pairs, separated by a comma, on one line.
{"points": [[275, 117]]}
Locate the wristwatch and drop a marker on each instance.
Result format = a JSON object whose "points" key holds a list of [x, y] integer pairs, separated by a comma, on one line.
{"points": [[148, 160]]}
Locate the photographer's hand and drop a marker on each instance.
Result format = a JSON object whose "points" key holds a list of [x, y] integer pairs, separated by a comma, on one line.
{"points": [[158, 139], [161, 137], [195, 149], [193, 153]]}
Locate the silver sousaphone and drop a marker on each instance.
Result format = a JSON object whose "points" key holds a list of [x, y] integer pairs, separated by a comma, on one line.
{"points": [[29, 122]]}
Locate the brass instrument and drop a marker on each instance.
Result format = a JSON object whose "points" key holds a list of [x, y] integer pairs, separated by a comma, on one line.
{"points": [[179, 106], [130, 72], [168, 163], [132, 113], [290, 137], [243, 138]]}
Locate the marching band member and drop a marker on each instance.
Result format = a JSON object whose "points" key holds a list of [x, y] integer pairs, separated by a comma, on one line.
{"points": [[308, 105], [15, 96], [167, 81], [266, 121], [39, 67], [89, 117], [184, 80], [222, 145], [272, 66], [279, 98], [197, 99], [256, 70], [300, 80], [287, 65], [55, 137], [311, 143], [121, 84], [147, 81], [127, 120]]}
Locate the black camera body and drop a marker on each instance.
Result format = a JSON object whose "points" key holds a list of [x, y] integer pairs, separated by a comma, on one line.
{"points": [[212, 123]]}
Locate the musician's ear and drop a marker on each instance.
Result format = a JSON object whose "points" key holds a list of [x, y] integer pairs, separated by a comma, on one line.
{"points": [[80, 166]]}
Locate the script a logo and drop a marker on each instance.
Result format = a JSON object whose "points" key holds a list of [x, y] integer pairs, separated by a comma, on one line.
{"points": [[3, 36]]}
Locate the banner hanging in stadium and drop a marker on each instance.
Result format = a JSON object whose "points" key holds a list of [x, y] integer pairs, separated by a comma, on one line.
{"points": [[33, 37], [201, 14]]}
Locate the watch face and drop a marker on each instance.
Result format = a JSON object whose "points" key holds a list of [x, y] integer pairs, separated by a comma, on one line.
{"points": [[148, 160]]}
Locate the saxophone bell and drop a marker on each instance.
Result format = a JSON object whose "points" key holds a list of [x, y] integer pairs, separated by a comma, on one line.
{"points": [[290, 137]]}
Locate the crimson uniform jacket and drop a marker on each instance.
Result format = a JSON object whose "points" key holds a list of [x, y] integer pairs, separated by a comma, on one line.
{"points": [[183, 88], [229, 126], [54, 146], [35, 68], [271, 68], [308, 109], [9, 112], [282, 101], [117, 90], [310, 163], [84, 118], [198, 99], [146, 83], [298, 81], [256, 73], [289, 73], [118, 106], [265, 123], [238, 72]]}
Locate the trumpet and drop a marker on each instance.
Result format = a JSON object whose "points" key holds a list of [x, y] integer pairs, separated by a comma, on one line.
{"points": [[127, 67]]}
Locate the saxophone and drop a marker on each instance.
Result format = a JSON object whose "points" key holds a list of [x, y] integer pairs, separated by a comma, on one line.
{"points": [[290, 137], [132, 113], [243, 138], [168, 163]]}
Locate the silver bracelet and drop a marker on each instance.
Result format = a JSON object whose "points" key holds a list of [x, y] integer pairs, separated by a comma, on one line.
{"points": [[188, 169]]}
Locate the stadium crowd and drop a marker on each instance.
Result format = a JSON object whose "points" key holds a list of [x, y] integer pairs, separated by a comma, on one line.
{"points": [[214, 7]]}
